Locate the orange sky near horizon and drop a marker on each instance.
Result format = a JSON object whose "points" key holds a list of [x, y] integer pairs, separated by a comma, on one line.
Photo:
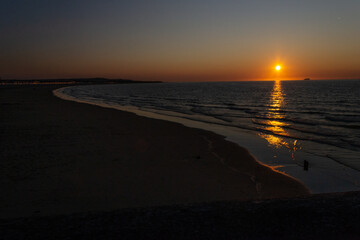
{"points": [[263, 69]]}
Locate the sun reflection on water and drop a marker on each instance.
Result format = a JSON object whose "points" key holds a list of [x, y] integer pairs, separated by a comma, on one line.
{"points": [[274, 123], [277, 96], [275, 141], [274, 114]]}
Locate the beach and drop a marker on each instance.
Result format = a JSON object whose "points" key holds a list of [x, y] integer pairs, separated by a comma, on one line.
{"points": [[62, 157], [280, 129]]}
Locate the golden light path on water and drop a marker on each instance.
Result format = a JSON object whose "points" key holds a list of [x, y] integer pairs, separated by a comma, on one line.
{"points": [[274, 124]]}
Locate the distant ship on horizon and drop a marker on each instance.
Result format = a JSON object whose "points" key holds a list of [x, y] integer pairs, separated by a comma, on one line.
{"points": [[306, 79]]}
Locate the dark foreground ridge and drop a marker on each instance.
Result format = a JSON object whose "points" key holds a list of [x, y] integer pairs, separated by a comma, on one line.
{"points": [[71, 81], [327, 216]]}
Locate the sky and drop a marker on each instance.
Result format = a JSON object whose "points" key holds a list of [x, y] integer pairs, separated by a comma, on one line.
{"points": [[173, 40]]}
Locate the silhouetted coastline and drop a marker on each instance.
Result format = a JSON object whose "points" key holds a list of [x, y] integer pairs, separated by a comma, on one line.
{"points": [[78, 81]]}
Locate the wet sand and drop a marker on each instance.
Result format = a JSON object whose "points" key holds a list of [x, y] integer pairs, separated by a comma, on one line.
{"points": [[62, 157]]}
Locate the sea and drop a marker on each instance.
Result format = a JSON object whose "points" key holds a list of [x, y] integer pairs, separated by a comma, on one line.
{"points": [[284, 124]]}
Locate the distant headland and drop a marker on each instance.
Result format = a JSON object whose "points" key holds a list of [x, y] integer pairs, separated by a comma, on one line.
{"points": [[70, 81]]}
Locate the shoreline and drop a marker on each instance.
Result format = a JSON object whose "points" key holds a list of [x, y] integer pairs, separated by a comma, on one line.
{"points": [[184, 122], [323, 176], [66, 157]]}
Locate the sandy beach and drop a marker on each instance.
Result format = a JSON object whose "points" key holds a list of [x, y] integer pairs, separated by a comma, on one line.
{"points": [[61, 157]]}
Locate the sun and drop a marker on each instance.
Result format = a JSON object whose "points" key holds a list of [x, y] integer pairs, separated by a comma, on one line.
{"points": [[278, 68]]}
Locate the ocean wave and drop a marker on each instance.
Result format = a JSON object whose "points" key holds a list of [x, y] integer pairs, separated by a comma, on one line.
{"points": [[346, 118]]}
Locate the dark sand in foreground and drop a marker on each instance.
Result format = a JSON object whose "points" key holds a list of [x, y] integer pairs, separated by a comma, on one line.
{"points": [[61, 157], [324, 216]]}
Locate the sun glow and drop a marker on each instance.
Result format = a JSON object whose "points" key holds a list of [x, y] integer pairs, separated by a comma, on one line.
{"points": [[278, 68]]}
